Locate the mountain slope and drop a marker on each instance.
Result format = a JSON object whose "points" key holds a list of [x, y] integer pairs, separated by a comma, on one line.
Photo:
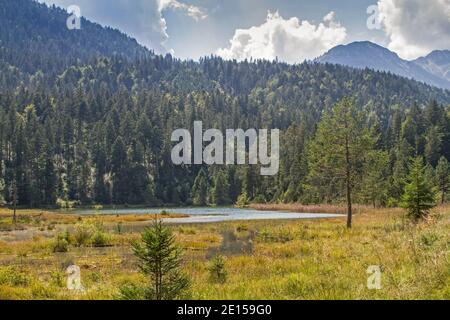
{"points": [[437, 62], [35, 37], [433, 69], [91, 121], [38, 51]]}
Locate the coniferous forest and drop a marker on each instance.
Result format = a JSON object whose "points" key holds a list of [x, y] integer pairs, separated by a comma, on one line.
{"points": [[86, 118], [95, 206]]}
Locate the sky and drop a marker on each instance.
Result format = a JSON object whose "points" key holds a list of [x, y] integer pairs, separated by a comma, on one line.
{"points": [[287, 30]]}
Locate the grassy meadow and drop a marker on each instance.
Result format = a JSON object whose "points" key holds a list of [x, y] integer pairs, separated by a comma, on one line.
{"points": [[301, 259]]}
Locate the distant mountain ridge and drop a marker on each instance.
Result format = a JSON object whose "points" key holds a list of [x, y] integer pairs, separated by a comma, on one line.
{"points": [[39, 53], [434, 69]]}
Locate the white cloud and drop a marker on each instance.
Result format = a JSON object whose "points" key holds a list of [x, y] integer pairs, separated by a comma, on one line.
{"points": [[288, 40], [192, 11], [416, 27], [141, 19]]}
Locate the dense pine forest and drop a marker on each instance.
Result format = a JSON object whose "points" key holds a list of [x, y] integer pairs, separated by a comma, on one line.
{"points": [[86, 118]]}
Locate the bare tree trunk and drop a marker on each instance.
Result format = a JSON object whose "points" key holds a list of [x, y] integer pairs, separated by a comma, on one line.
{"points": [[14, 201], [349, 187], [349, 205]]}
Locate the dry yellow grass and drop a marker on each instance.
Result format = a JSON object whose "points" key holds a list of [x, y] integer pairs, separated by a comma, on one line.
{"points": [[303, 259], [297, 207], [27, 217]]}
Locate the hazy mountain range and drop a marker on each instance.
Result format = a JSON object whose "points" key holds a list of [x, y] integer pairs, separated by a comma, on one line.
{"points": [[434, 69], [35, 43]]}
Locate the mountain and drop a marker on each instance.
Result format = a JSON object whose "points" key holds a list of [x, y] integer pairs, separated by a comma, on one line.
{"points": [[433, 69], [437, 63], [35, 37], [38, 51], [86, 116]]}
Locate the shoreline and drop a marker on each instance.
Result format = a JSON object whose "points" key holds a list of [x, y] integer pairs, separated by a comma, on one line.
{"points": [[313, 209]]}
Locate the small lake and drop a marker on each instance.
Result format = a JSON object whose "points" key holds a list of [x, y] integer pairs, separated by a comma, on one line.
{"points": [[209, 215]]}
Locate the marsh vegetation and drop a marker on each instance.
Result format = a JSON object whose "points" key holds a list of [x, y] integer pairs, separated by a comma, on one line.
{"points": [[301, 259]]}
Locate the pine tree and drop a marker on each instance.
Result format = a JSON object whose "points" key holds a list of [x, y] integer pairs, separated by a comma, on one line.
{"points": [[433, 145], [374, 185], [119, 162], [2, 190], [339, 148], [160, 259], [100, 162], [443, 177], [84, 175], [399, 170], [419, 196], [242, 200], [50, 178], [102, 131], [217, 270], [220, 191], [200, 189]]}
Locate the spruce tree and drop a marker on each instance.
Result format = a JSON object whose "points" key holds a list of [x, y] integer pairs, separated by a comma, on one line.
{"points": [[2, 190], [220, 192], [160, 259], [443, 177], [119, 164], [433, 145], [200, 189], [374, 185], [419, 196]]}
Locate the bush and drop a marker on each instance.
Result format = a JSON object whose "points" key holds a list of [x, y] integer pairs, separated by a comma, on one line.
{"points": [[296, 286], [97, 207], [242, 228], [66, 204], [90, 234], [429, 239], [187, 230], [119, 228], [217, 272], [242, 200], [51, 226], [13, 277], [130, 291], [61, 244], [83, 234], [58, 279], [259, 199], [281, 236], [95, 277], [99, 239]]}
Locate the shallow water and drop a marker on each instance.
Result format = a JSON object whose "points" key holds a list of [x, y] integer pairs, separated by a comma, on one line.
{"points": [[208, 215]]}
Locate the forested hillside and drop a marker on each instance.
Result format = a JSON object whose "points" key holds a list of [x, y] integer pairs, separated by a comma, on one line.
{"points": [[34, 39], [86, 117]]}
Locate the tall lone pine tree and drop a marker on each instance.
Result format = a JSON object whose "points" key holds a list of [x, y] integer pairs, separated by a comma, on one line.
{"points": [[340, 148]]}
